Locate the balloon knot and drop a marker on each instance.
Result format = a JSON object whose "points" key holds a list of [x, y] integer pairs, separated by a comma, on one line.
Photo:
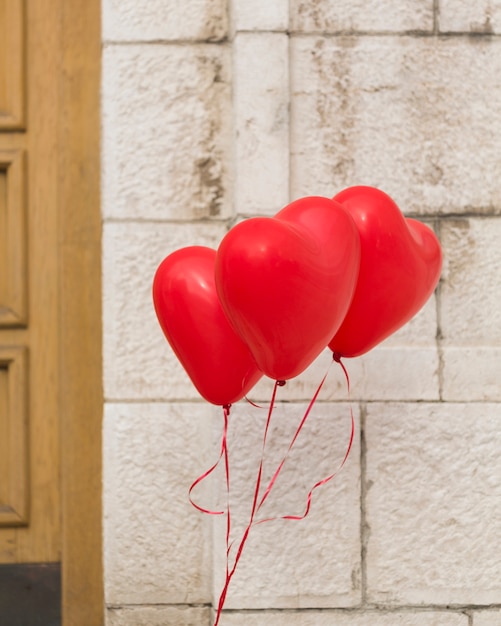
{"points": [[227, 408], [281, 383], [337, 357]]}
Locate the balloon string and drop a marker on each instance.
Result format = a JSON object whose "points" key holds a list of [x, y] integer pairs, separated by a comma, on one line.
{"points": [[293, 441], [336, 358], [328, 478], [257, 406], [243, 541], [255, 506], [227, 476], [223, 453]]}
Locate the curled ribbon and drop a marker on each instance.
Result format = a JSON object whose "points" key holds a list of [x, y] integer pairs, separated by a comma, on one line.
{"points": [[258, 503], [223, 453]]}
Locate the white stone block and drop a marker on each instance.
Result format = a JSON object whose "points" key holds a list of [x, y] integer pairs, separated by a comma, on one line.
{"points": [[159, 616], [472, 374], [433, 505], [146, 20], [138, 361], [261, 109], [166, 132], [353, 618], [482, 17], [260, 15], [334, 16], [156, 546], [395, 374], [314, 562], [470, 312], [471, 282], [413, 116], [487, 618]]}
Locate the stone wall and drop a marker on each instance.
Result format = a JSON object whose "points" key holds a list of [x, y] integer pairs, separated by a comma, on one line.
{"points": [[212, 114]]}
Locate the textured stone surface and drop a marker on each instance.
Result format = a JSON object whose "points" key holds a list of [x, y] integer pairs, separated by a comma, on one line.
{"points": [[260, 14], [471, 282], [197, 135], [481, 16], [166, 131], [132, 20], [413, 116], [487, 618], [470, 315], [334, 618], [156, 546], [158, 616], [138, 362], [433, 503], [471, 374], [261, 104], [313, 562], [334, 16]]}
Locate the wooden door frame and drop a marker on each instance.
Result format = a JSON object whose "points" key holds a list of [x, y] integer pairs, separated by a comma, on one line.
{"points": [[80, 363]]}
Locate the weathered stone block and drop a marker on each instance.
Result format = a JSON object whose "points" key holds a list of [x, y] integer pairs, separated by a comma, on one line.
{"points": [[156, 546], [433, 504], [482, 17], [261, 104], [334, 16], [339, 618], [470, 315], [487, 618], [471, 374], [260, 15], [147, 20], [470, 308], [314, 562], [159, 616], [412, 116], [166, 132]]}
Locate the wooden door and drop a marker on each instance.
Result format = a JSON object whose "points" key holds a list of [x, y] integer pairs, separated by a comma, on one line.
{"points": [[50, 341]]}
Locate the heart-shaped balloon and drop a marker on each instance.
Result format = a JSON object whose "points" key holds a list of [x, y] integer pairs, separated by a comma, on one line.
{"points": [[192, 319], [400, 266], [286, 282]]}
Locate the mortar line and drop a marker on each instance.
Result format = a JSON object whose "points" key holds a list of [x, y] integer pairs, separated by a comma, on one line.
{"points": [[436, 17], [357, 610], [413, 34], [208, 221]]}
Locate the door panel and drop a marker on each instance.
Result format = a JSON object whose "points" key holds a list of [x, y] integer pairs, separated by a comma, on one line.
{"points": [[13, 279], [13, 443], [12, 65], [50, 341], [29, 492]]}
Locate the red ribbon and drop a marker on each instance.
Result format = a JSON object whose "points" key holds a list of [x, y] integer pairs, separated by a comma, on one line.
{"points": [[258, 503], [298, 430], [223, 453]]}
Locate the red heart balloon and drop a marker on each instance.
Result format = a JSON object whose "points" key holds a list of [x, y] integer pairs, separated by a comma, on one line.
{"points": [[286, 282], [400, 266], [190, 314]]}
